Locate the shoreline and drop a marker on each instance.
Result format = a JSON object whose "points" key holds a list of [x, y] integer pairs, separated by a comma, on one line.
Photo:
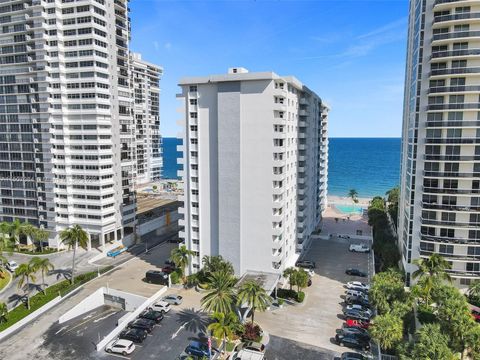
{"points": [[334, 199]]}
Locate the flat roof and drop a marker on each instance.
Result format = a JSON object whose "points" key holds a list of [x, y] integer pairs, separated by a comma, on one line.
{"points": [[268, 281]]}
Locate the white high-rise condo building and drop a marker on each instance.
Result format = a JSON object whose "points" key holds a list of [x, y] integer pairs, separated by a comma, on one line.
{"points": [[440, 170], [145, 82], [67, 135], [254, 166]]}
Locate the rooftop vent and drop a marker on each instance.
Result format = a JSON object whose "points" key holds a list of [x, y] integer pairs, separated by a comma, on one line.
{"points": [[237, 70]]}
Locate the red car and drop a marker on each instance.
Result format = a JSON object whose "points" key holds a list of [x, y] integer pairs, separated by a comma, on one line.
{"points": [[357, 323], [168, 269], [476, 315]]}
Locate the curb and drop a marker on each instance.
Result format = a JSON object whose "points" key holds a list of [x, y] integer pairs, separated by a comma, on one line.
{"points": [[40, 255]]}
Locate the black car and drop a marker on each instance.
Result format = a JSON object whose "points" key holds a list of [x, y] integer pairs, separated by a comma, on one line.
{"points": [[355, 272], [357, 315], [156, 277], [352, 342], [357, 300], [134, 334], [306, 264], [153, 315], [143, 324], [354, 331], [352, 356]]}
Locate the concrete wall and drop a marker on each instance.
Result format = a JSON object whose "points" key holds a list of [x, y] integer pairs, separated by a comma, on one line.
{"points": [[159, 224], [89, 303]]}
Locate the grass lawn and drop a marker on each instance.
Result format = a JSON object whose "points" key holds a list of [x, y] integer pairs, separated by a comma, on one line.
{"points": [[4, 278], [38, 300]]}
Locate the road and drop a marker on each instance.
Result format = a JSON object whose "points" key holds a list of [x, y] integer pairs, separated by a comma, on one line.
{"points": [[63, 265]]}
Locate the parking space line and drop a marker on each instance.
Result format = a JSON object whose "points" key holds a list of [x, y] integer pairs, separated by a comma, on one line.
{"points": [[88, 320], [118, 355]]}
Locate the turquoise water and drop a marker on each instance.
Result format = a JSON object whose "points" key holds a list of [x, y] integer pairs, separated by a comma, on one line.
{"points": [[369, 165], [349, 209]]}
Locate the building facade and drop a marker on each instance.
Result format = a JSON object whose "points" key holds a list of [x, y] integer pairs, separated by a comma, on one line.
{"points": [[254, 168], [146, 90], [67, 134], [440, 169]]}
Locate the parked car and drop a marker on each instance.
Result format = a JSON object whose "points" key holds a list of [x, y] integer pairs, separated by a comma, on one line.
{"points": [[356, 292], [355, 272], [358, 307], [143, 324], [11, 266], [170, 263], [173, 299], [355, 331], [197, 348], [134, 334], [476, 315], [356, 323], [156, 277], [168, 269], [358, 284], [246, 354], [357, 315], [352, 356], [156, 316], [120, 346], [161, 306], [352, 342], [361, 248], [250, 345], [307, 264], [356, 298]]}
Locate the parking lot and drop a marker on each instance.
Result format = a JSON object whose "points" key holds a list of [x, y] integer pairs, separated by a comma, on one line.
{"points": [[76, 339], [314, 322]]}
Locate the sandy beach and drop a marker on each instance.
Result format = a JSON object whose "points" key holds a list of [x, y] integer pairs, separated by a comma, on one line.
{"points": [[332, 199]]}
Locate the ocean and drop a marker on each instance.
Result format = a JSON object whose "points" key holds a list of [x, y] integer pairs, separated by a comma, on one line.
{"points": [[369, 165]]}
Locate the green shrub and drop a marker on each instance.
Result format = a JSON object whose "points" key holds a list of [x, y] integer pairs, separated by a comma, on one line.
{"points": [[280, 301], [300, 296], [174, 278], [425, 315], [286, 294]]}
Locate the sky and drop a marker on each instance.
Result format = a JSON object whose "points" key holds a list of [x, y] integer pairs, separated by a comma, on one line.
{"points": [[350, 52]]}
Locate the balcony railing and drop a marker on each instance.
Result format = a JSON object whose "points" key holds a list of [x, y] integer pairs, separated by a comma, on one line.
{"points": [[452, 157], [452, 123], [448, 240], [445, 89], [452, 140], [472, 225], [451, 174], [460, 16], [453, 106], [453, 71], [436, 206], [450, 191], [454, 257], [456, 35]]}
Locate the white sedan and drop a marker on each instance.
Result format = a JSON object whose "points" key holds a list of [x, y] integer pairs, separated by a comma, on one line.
{"points": [[357, 285], [358, 307], [161, 306], [12, 266], [120, 346], [173, 299], [361, 248]]}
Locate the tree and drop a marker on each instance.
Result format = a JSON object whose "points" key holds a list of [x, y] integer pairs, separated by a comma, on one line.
{"points": [[353, 194], [44, 266], [211, 264], [181, 257], [254, 296], [29, 231], [220, 295], [386, 288], [26, 273], [74, 237], [300, 278], [387, 330], [40, 236], [289, 273], [431, 343], [474, 292], [430, 271], [16, 229], [224, 325], [3, 312], [393, 196]]}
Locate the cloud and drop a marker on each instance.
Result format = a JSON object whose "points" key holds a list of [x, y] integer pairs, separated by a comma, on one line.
{"points": [[392, 26]]}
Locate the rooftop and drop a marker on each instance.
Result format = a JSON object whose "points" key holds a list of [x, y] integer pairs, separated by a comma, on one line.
{"points": [[268, 281]]}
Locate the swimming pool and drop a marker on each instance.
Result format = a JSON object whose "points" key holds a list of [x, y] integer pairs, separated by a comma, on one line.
{"points": [[349, 209]]}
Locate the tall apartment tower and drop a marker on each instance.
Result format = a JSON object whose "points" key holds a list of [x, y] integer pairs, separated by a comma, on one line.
{"points": [[66, 128], [254, 168], [146, 90], [440, 169]]}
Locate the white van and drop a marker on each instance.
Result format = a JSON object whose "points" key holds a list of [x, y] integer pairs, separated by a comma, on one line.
{"points": [[246, 354]]}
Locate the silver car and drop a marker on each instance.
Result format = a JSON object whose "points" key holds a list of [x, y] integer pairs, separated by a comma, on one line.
{"points": [[173, 299]]}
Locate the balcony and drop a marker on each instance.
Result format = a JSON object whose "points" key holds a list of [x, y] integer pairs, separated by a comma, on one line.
{"points": [[450, 191], [449, 223], [461, 140], [303, 113], [452, 157], [465, 123], [455, 53], [452, 17], [454, 106], [456, 35], [451, 174], [448, 240], [455, 71], [435, 206]]}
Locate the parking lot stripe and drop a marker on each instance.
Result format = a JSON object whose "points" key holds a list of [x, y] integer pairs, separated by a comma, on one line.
{"points": [[118, 355]]}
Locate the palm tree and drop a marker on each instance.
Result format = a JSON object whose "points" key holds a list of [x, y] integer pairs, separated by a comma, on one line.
{"points": [[354, 195], [29, 231], [387, 330], [40, 236], [289, 273], [181, 257], [253, 295], [474, 290], [430, 271], [16, 229], [211, 264], [301, 279], [3, 312], [220, 295], [44, 265], [26, 273], [223, 326], [74, 237], [5, 240]]}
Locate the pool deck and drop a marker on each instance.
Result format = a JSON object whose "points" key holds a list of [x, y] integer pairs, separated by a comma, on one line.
{"points": [[346, 224]]}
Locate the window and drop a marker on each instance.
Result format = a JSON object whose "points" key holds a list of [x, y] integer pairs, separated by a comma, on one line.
{"points": [[193, 88], [473, 267]]}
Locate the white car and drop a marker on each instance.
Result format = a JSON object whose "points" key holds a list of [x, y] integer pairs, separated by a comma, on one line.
{"points": [[173, 299], [356, 293], [11, 266], [362, 248], [310, 272], [120, 346], [358, 307], [357, 284], [161, 306]]}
